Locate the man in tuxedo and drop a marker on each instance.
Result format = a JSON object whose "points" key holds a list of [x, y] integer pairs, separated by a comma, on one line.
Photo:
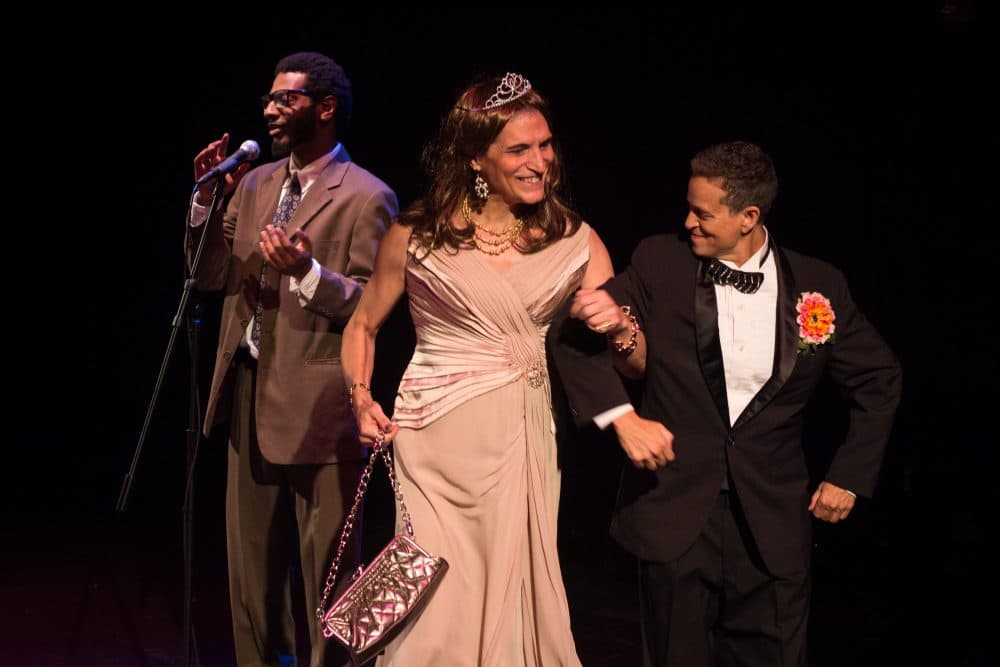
{"points": [[729, 335], [292, 250]]}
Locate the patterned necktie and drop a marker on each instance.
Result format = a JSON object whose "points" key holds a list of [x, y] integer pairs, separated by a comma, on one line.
{"points": [[747, 282], [291, 199]]}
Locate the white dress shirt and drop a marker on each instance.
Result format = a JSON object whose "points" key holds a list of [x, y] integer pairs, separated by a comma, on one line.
{"points": [[746, 331]]}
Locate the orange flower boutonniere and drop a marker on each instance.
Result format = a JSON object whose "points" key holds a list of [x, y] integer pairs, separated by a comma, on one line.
{"points": [[815, 321]]}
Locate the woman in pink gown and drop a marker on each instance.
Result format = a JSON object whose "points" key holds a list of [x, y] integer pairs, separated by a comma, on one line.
{"points": [[486, 258]]}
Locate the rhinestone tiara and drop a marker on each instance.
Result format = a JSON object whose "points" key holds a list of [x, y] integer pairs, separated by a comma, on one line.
{"points": [[511, 87]]}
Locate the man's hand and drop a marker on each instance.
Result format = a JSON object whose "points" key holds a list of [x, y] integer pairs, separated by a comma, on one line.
{"points": [[831, 503], [208, 158], [293, 259], [647, 443]]}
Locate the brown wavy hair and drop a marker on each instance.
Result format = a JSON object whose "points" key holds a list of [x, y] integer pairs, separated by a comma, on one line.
{"points": [[467, 132]]}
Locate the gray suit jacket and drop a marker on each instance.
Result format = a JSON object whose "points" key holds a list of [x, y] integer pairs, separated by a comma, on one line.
{"points": [[301, 412]]}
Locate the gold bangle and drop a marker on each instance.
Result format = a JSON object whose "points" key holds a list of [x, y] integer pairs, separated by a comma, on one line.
{"points": [[357, 385], [633, 340]]}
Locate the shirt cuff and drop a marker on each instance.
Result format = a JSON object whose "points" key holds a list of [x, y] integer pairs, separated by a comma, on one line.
{"points": [[306, 288], [605, 418], [199, 214]]}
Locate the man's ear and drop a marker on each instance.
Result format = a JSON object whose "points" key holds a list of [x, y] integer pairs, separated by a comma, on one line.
{"points": [[749, 217], [328, 107]]}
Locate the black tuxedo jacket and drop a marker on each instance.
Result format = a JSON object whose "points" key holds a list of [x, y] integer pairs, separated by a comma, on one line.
{"points": [[659, 514]]}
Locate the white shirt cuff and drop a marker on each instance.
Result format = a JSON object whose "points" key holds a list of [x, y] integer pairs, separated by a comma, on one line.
{"points": [[605, 418], [199, 214], [306, 288]]}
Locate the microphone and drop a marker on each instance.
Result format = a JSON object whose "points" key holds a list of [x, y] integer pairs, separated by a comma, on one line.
{"points": [[248, 150]]}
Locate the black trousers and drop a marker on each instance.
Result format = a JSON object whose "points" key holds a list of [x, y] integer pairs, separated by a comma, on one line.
{"points": [[717, 605]]}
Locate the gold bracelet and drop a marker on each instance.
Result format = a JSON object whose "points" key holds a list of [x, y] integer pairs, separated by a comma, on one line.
{"points": [[633, 340], [357, 385]]}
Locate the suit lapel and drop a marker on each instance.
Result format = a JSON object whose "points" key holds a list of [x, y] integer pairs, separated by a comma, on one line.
{"points": [[785, 338], [706, 322], [322, 191]]}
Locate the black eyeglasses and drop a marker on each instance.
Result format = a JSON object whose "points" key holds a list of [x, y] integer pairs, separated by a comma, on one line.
{"points": [[283, 98]]}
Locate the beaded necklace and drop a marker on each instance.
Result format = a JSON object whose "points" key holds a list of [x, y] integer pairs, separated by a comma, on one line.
{"points": [[487, 240]]}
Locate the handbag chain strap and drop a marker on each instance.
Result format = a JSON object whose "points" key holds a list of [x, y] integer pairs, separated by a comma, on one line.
{"points": [[345, 533]]}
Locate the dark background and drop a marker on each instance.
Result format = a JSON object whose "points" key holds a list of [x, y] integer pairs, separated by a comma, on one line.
{"points": [[883, 140]]}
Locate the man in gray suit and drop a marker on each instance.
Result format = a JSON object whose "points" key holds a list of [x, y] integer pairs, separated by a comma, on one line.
{"points": [[292, 250]]}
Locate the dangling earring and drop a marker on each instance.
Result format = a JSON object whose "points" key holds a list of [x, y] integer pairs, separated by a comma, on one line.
{"points": [[482, 188]]}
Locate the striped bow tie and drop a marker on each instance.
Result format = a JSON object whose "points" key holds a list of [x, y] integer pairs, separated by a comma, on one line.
{"points": [[747, 282]]}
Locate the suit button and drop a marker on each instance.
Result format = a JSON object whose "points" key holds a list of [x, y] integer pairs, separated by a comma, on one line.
{"points": [[244, 323], [226, 355], [730, 440]]}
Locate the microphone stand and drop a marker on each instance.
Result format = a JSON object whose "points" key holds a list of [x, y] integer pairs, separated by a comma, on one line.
{"points": [[193, 438], [193, 431]]}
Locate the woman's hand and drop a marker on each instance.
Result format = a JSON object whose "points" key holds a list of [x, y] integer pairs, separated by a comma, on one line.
{"points": [[599, 311], [371, 419]]}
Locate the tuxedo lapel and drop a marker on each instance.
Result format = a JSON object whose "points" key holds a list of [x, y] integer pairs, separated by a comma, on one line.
{"points": [[706, 322], [785, 338]]}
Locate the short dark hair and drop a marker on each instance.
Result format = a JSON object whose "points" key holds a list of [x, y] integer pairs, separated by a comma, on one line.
{"points": [[743, 170], [324, 77]]}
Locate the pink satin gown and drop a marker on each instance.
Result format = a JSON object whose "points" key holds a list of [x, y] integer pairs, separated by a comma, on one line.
{"points": [[476, 457]]}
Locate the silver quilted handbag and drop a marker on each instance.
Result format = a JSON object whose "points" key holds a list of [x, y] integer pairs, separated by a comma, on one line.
{"points": [[387, 595]]}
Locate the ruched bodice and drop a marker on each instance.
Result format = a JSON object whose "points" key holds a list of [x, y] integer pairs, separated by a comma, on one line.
{"points": [[479, 329]]}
